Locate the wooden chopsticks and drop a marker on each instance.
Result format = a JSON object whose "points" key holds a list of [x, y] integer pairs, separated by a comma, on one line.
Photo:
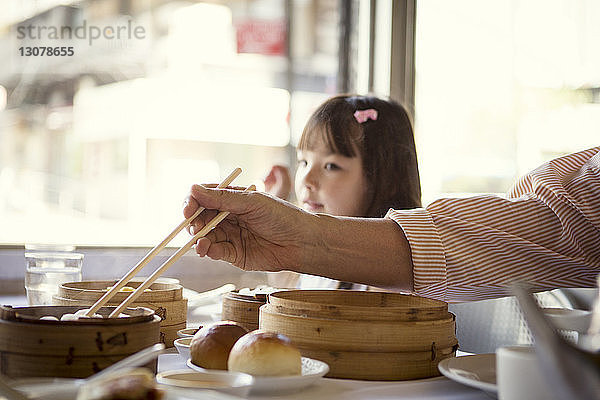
{"points": [[160, 270], [152, 253]]}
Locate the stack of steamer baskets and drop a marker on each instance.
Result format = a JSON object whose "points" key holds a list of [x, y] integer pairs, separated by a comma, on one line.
{"points": [[165, 297], [243, 308], [365, 335], [35, 347]]}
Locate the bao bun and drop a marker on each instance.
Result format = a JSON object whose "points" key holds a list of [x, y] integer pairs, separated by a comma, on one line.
{"points": [[265, 354], [132, 384], [210, 346]]}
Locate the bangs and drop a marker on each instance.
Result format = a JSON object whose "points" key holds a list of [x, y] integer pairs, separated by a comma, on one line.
{"points": [[339, 137]]}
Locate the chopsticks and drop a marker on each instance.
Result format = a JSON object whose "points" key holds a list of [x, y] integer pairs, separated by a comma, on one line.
{"points": [[160, 270], [152, 253]]}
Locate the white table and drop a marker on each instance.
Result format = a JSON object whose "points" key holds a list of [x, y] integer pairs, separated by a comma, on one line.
{"points": [[326, 388]]}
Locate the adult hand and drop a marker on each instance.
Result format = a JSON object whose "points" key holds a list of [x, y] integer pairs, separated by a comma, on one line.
{"points": [[279, 182], [268, 234], [261, 233]]}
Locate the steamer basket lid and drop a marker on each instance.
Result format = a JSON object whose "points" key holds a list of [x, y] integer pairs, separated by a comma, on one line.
{"points": [[357, 299], [32, 314]]}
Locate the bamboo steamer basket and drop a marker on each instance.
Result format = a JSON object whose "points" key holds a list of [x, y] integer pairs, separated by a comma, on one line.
{"points": [[375, 335], [365, 335], [382, 366], [30, 347], [242, 308], [165, 298]]}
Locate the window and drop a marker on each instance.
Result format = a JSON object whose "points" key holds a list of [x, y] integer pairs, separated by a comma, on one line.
{"points": [[502, 87], [100, 145]]}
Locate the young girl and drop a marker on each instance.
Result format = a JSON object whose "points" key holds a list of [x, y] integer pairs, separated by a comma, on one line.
{"points": [[357, 158]]}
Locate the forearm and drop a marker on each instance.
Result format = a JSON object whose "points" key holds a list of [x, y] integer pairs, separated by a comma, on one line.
{"points": [[268, 234], [363, 250]]}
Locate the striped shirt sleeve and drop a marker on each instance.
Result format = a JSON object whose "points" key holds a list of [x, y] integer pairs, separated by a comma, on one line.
{"points": [[547, 232]]}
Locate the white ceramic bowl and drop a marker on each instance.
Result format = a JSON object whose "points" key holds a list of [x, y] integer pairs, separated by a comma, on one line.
{"points": [[235, 383], [567, 319], [183, 346], [187, 332]]}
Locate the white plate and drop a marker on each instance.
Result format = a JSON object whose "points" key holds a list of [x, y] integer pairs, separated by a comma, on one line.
{"points": [[478, 371], [430, 389], [312, 370], [67, 389], [49, 388]]}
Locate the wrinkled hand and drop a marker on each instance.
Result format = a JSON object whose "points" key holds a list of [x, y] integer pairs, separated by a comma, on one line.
{"points": [[261, 233]]}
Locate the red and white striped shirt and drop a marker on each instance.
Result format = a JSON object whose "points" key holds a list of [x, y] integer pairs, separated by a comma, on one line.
{"points": [[547, 232]]}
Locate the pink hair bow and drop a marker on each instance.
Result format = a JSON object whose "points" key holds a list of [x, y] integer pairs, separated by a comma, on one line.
{"points": [[365, 115]]}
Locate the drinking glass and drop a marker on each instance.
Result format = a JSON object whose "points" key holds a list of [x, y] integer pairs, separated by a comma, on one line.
{"points": [[46, 271]]}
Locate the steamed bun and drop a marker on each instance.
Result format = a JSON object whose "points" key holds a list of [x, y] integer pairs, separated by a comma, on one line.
{"points": [[211, 345], [264, 353]]}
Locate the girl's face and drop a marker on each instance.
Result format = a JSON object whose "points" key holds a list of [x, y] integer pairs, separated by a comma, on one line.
{"points": [[330, 183]]}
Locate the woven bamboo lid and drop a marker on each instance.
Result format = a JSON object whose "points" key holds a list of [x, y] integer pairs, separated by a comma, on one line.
{"points": [[358, 305]]}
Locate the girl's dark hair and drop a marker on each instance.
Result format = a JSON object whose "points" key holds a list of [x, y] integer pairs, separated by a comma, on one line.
{"points": [[387, 147]]}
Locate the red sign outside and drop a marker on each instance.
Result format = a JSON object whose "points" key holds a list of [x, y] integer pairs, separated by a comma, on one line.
{"points": [[261, 36]]}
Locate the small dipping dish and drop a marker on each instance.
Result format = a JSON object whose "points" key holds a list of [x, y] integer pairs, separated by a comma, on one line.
{"points": [[187, 332], [235, 383], [183, 346]]}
